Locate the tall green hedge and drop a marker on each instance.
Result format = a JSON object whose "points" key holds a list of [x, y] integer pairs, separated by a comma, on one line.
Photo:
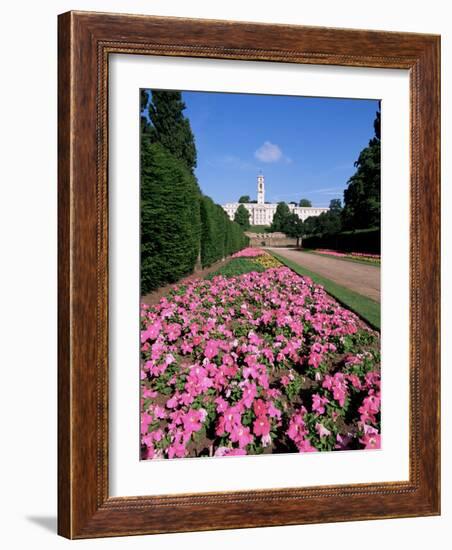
{"points": [[178, 223], [220, 237], [235, 238], [212, 231], [170, 218], [364, 240]]}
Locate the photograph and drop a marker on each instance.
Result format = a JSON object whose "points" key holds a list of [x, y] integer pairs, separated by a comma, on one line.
{"points": [[248, 272], [260, 257]]}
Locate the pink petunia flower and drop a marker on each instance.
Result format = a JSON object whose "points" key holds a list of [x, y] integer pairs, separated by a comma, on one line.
{"points": [[151, 332], [241, 435], [249, 393], [261, 426], [192, 420], [371, 439], [259, 407], [173, 331], [318, 403]]}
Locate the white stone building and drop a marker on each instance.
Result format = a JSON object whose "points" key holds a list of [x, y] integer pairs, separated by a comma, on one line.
{"points": [[261, 213]]}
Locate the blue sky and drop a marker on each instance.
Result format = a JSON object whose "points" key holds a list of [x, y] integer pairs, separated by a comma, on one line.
{"points": [[304, 146]]}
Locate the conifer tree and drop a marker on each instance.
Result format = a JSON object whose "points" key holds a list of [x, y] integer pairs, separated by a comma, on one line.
{"points": [[178, 224], [171, 128], [170, 218]]}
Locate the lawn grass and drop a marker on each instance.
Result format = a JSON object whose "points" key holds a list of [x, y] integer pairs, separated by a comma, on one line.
{"points": [[367, 309], [259, 229], [343, 258], [234, 267]]}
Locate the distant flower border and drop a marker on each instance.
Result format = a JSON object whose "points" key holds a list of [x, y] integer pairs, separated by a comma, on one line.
{"points": [[372, 258]]}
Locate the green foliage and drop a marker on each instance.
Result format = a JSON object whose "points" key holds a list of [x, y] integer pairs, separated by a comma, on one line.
{"points": [[287, 222], [293, 226], [170, 218], [366, 240], [293, 389], [219, 237], [280, 218], [242, 217], [305, 202], [362, 196], [178, 223], [335, 205], [327, 223], [170, 127], [244, 199], [236, 266], [212, 236], [234, 237], [259, 229]]}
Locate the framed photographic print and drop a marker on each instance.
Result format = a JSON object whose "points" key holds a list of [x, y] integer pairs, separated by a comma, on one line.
{"points": [[248, 275]]}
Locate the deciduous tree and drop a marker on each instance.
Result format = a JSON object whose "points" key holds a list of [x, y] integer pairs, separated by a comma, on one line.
{"points": [[244, 199], [280, 218], [294, 227], [305, 202], [362, 196], [242, 217]]}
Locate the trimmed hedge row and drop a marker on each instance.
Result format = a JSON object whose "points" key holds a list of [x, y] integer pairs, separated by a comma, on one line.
{"points": [[220, 237], [179, 226], [364, 240], [170, 218]]}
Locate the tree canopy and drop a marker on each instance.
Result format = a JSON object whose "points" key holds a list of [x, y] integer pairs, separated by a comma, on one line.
{"points": [[362, 196], [327, 223], [180, 227], [335, 205], [280, 217], [170, 127], [245, 199], [293, 227], [305, 202], [242, 217]]}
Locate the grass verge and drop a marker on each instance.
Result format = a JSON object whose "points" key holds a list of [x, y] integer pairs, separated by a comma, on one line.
{"points": [[259, 229], [367, 309], [234, 267]]}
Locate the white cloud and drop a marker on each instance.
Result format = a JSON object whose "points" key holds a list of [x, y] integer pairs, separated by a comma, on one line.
{"points": [[269, 152]]}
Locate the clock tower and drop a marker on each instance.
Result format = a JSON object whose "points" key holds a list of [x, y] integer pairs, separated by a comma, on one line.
{"points": [[260, 189]]}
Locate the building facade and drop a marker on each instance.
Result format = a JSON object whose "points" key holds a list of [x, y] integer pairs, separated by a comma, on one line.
{"points": [[261, 213]]}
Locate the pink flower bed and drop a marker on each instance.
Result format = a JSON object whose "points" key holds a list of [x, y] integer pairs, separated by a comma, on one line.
{"points": [[259, 363], [359, 255], [330, 252], [249, 252], [365, 255]]}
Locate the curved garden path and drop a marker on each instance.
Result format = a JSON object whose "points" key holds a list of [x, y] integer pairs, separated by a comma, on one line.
{"points": [[361, 278]]}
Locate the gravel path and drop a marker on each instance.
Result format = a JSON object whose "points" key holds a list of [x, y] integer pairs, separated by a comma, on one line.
{"points": [[361, 278]]}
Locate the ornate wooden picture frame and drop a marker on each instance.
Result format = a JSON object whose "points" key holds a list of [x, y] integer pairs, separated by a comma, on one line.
{"points": [[86, 40]]}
